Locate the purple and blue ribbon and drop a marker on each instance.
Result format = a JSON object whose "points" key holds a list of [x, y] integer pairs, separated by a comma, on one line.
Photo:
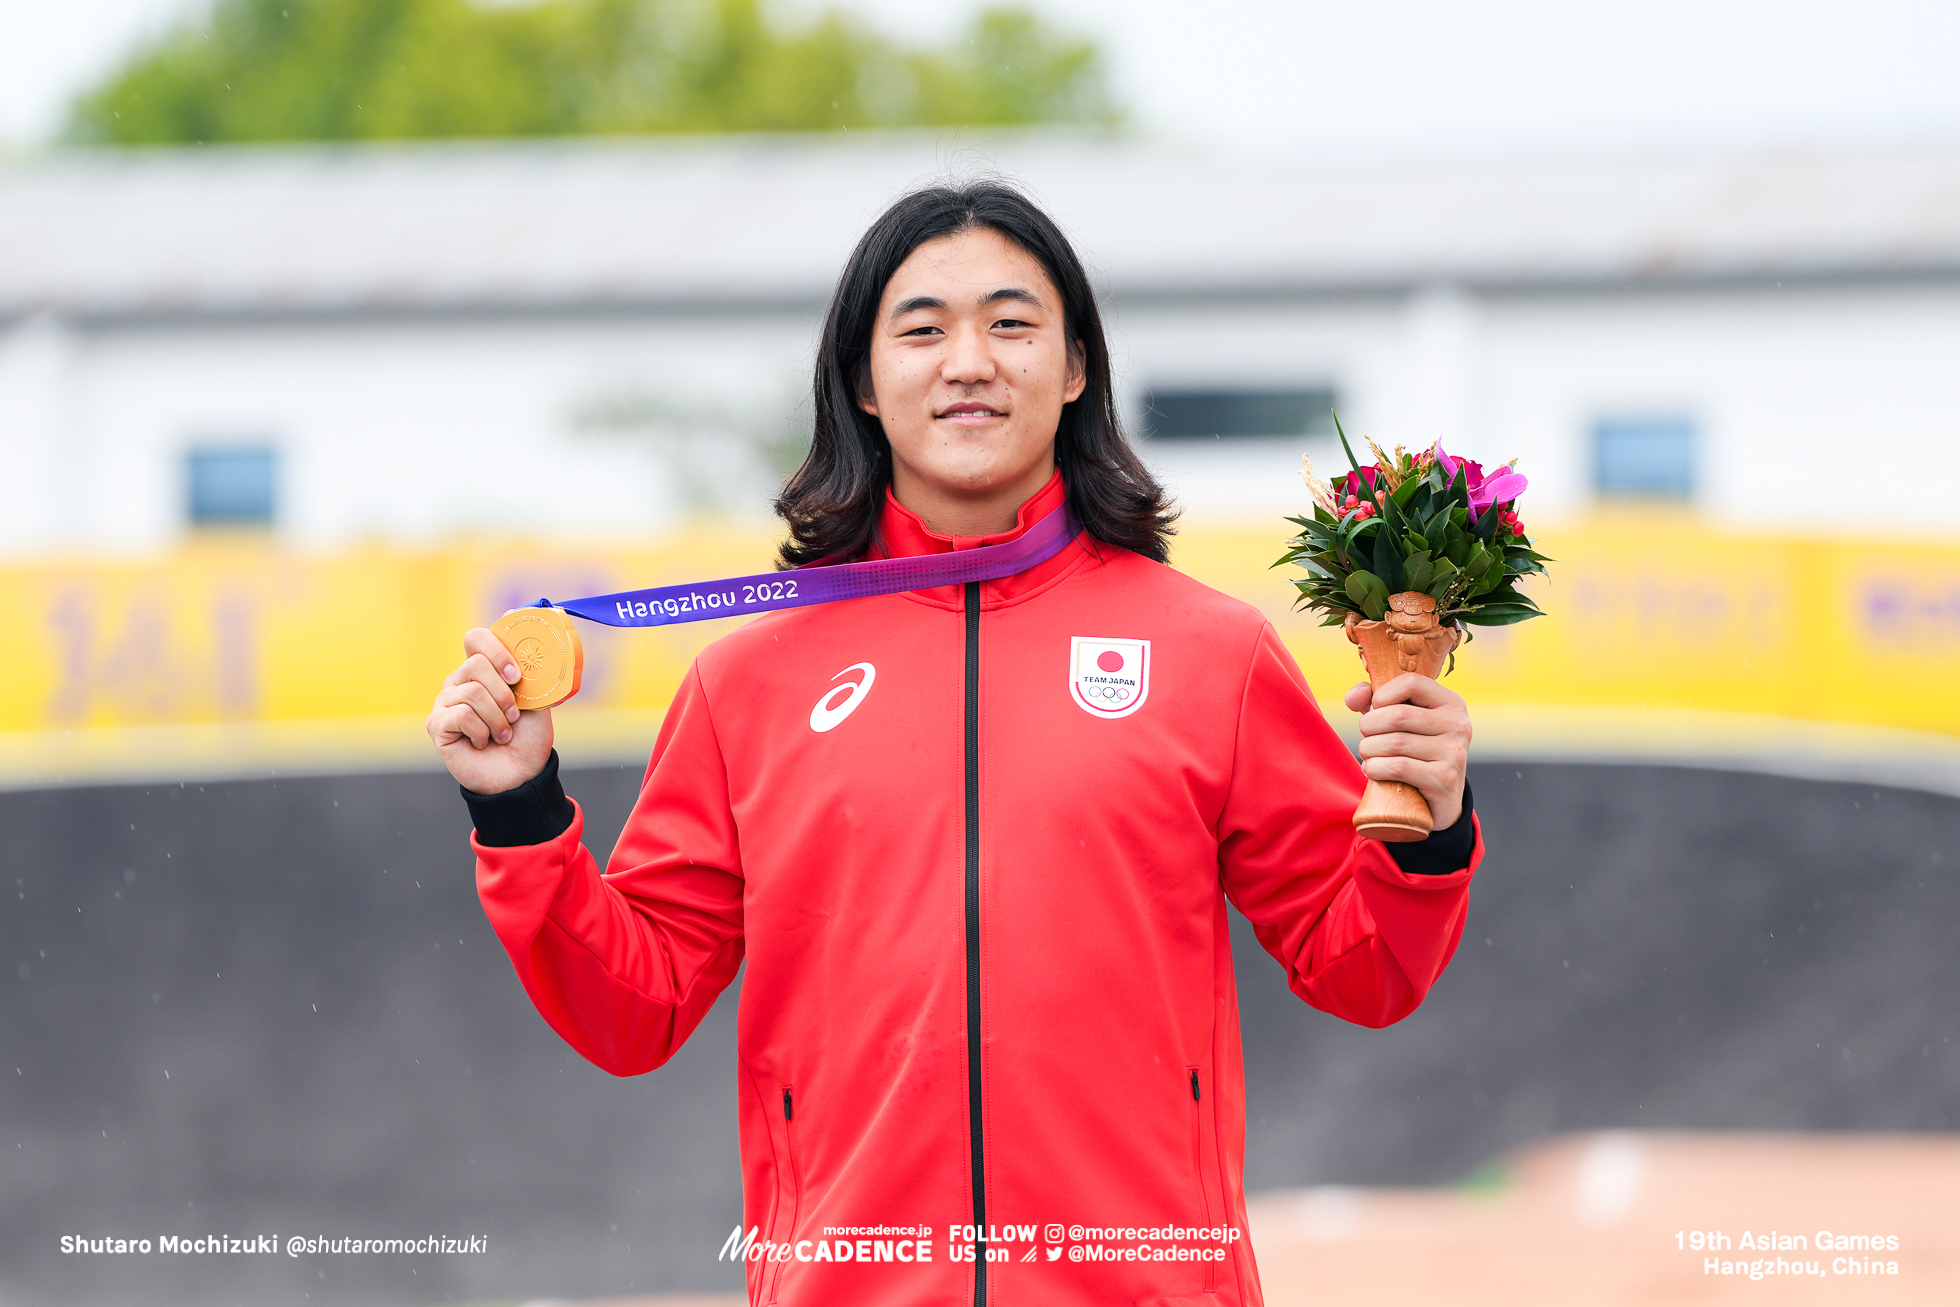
{"points": [[670, 605]]}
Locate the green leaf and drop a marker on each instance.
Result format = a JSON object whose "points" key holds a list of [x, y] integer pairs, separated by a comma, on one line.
{"points": [[1391, 515], [1347, 449], [1420, 570], [1505, 617], [1459, 493], [1366, 528], [1504, 603], [1388, 560], [1370, 592]]}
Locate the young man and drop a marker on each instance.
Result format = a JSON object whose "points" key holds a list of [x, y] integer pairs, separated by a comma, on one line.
{"points": [[975, 843]]}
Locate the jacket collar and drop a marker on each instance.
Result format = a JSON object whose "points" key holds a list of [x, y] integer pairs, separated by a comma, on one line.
{"points": [[901, 534]]}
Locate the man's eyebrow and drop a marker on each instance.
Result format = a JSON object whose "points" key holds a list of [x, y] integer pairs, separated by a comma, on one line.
{"points": [[1019, 293]]}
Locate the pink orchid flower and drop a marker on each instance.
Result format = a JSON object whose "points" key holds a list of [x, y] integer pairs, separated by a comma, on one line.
{"points": [[1500, 487]]}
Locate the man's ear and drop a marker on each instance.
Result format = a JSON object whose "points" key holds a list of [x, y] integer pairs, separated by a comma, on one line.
{"points": [[1078, 373], [867, 397]]}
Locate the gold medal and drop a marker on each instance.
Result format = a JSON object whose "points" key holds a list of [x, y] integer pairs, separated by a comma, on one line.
{"points": [[544, 644]]}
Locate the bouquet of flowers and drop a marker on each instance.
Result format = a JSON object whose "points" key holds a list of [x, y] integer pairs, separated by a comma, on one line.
{"points": [[1407, 554], [1425, 523]]}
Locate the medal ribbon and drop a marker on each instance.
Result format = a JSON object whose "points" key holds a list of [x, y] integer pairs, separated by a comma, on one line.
{"points": [[670, 605]]}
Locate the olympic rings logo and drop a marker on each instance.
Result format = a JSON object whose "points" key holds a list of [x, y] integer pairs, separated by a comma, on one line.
{"points": [[1107, 693]]}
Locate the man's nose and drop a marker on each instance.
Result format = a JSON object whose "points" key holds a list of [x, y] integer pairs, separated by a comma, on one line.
{"points": [[968, 360]]}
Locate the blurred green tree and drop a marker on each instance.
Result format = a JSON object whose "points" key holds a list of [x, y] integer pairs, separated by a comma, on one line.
{"points": [[313, 70]]}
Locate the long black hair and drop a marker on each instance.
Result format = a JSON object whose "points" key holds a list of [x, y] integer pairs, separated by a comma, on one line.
{"points": [[833, 500]]}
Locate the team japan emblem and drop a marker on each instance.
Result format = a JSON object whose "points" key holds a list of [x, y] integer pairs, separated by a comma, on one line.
{"points": [[1109, 678]]}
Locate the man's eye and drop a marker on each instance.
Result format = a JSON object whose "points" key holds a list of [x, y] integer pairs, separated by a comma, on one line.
{"points": [[1011, 324], [920, 331]]}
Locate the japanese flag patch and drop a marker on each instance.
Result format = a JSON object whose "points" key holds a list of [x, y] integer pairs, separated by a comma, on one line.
{"points": [[1108, 678]]}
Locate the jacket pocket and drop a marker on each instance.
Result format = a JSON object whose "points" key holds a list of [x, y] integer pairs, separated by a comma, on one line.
{"points": [[792, 1201], [1200, 1160]]}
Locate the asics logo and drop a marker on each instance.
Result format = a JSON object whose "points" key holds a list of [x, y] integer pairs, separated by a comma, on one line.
{"points": [[842, 700]]}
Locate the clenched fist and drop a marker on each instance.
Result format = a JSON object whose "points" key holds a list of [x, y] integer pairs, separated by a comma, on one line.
{"points": [[486, 741], [1414, 730]]}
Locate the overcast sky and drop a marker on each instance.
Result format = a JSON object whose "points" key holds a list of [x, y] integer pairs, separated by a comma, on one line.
{"points": [[1401, 76]]}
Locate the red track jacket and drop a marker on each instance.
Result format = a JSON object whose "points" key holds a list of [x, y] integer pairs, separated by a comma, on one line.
{"points": [[976, 845]]}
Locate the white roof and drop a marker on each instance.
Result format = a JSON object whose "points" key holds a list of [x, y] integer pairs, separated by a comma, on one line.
{"points": [[593, 223]]}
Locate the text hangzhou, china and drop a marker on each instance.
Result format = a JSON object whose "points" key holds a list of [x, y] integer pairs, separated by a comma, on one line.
{"points": [[1855, 1254]]}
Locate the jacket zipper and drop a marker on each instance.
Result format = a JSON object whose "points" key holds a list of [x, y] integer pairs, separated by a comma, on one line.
{"points": [[974, 1101], [795, 1182], [1198, 1167]]}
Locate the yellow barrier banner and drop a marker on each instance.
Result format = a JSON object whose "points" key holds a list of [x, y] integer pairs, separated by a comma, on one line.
{"points": [[247, 643]]}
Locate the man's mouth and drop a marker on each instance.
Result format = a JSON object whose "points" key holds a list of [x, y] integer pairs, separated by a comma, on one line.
{"points": [[971, 410]]}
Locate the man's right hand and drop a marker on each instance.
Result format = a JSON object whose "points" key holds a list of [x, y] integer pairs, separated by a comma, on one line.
{"points": [[488, 745]]}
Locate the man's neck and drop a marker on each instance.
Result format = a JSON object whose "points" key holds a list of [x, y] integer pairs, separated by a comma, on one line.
{"points": [[952, 512]]}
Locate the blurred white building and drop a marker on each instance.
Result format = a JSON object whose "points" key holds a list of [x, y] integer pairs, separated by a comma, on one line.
{"points": [[596, 338]]}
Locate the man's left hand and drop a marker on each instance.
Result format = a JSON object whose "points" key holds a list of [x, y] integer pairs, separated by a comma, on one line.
{"points": [[1414, 730]]}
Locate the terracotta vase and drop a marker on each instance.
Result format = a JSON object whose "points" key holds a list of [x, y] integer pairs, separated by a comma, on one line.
{"points": [[1408, 639]]}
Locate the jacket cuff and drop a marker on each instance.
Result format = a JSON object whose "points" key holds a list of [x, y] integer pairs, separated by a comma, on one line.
{"points": [[1445, 850], [535, 812]]}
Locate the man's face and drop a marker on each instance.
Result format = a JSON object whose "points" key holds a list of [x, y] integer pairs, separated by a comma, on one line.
{"points": [[969, 372]]}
